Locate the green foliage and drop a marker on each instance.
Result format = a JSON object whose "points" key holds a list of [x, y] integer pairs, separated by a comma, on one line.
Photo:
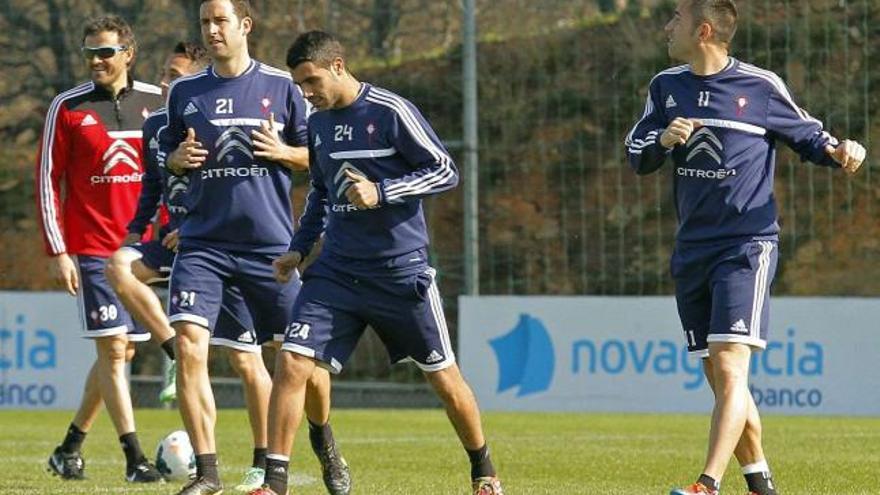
{"points": [[560, 84], [561, 212]]}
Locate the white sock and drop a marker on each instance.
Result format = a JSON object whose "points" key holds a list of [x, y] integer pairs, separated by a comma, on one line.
{"points": [[756, 467]]}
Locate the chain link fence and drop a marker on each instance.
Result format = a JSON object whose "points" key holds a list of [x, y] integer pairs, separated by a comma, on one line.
{"points": [[560, 83]]}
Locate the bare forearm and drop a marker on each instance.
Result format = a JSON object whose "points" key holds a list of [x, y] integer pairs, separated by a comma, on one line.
{"points": [[294, 158]]}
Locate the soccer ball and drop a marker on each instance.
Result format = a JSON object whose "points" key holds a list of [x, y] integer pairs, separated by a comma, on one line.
{"points": [[175, 458]]}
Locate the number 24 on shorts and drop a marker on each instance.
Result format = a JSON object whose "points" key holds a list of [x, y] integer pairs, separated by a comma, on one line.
{"points": [[298, 330]]}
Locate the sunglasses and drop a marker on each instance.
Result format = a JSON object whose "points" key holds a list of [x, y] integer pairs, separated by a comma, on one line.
{"points": [[102, 52]]}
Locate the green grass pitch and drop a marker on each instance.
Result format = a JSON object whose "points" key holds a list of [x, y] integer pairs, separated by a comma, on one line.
{"points": [[415, 452]]}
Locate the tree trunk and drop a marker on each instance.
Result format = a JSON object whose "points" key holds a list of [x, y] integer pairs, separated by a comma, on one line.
{"points": [[611, 6], [384, 19], [193, 22], [58, 43]]}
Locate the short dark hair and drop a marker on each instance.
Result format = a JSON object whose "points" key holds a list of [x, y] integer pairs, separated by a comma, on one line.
{"points": [[112, 24], [721, 14], [318, 47], [242, 8], [195, 52]]}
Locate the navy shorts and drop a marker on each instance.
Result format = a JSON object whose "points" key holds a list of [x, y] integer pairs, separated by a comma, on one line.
{"points": [[203, 279], [101, 311], [235, 326], [154, 256], [334, 308], [723, 293]]}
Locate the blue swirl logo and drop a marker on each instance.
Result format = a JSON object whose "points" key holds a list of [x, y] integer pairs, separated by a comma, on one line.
{"points": [[526, 358]]}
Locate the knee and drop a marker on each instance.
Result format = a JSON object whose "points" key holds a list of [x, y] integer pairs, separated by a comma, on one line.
{"points": [[293, 369], [729, 364], [113, 349], [244, 363], [117, 268], [319, 380], [185, 344], [727, 373], [191, 344]]}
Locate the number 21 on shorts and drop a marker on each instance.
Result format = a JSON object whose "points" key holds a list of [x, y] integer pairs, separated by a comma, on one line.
{"points": [[186, 299]]}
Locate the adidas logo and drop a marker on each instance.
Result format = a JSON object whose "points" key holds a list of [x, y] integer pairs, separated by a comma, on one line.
{"points": [[317, 140], [670, 102], [190, 109], [246, 338], [89, 120], [434, 357], [739, 327]]}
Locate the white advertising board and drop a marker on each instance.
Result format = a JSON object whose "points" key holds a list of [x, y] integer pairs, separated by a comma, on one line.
{"points": [[628, 354], [43, 357]]}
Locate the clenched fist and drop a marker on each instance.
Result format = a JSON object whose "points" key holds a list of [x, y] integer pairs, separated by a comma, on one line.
{"points": [[849, 154], [678, 132], [285, 264]]}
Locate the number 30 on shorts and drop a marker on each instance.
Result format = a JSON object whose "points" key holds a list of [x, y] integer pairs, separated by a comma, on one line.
{"points": [[108, 312]]}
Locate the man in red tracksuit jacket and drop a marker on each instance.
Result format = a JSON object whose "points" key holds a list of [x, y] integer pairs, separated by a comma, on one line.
{"points": [[91, 144]]}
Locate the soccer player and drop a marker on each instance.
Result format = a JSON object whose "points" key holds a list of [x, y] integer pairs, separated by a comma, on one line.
{"points": [[133, 266], [92, 144], [720, 119], [236, 130], [373, 157]]}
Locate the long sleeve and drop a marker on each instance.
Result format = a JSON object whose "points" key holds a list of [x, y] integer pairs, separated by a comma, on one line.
{"points": [[643, 147], [296, 130], [173, 132], [151, 191], [51, 164], [311, 223], [433, 169], [793, 125]]}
